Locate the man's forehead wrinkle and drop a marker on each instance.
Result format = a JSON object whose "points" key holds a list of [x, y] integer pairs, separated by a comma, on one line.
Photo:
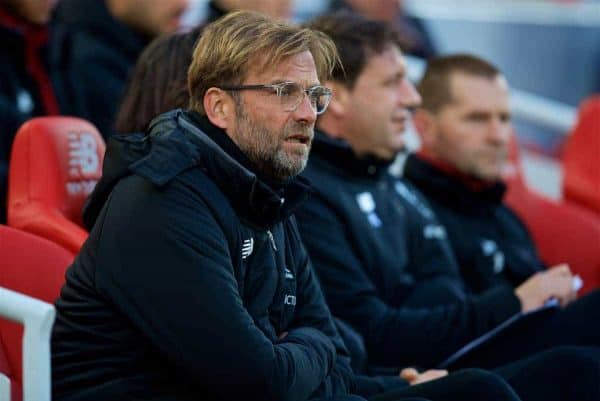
{"points": [[301, 64]]}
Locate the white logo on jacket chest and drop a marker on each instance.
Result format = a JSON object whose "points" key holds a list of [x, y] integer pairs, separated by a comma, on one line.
{"points": [[366, 203], [434, 231], [247, 247], [24, 102], [490, 249]]}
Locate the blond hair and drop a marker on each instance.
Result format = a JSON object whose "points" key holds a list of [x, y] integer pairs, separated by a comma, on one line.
{"points": [[231, 45]]}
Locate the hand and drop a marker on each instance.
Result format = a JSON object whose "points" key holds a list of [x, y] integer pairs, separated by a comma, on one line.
{"points": [[555, 282], [412, 376]]}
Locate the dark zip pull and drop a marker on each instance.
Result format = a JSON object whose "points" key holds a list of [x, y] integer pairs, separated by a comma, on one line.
{"points": [[270, 234]]}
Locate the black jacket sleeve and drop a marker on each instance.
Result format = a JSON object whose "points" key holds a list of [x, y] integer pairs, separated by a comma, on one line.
{"points": [[394, 336], [163, 261]]}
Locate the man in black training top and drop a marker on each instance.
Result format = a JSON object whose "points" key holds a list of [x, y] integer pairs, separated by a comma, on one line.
{"points": [[465, 127], [383, 260]]}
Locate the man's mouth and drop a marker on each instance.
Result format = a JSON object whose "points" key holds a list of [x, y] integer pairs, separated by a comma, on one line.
{"points": [[299, 138], [399, 120]]}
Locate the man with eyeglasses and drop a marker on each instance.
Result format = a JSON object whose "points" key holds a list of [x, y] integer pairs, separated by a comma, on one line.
{"points": [[193, 284]]}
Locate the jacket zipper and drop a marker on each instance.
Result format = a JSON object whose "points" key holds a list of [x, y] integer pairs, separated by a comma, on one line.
{"points": [[270, 234]]}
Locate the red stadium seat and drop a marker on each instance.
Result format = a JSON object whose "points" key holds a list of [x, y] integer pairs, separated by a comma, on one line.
{"points": [[55, 164], [35, 267], [562, 232], [581, 154]]}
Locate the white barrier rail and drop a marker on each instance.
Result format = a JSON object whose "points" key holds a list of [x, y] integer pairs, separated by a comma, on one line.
{"points": [[527, 106], [37, 318]]}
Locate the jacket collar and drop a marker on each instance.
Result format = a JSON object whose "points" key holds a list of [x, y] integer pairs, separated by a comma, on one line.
{"points": [[176, 143], [339, 153], [473, 183], [260, 200], [440, 184]]}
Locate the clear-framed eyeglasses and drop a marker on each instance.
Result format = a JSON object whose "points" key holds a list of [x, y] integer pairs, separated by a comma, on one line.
{"points": [[291, 94]]}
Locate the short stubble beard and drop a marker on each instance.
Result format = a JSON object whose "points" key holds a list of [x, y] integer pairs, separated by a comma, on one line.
{"points": [[265, 150]]}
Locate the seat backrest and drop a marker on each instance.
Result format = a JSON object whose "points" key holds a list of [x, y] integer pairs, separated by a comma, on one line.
{"points": [[581, 179], [55, 164], [563, 233], [32, 266]]}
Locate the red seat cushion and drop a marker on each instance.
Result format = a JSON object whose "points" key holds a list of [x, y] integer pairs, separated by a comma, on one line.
{"points": [[33, 266], [563, 233], [55, 164]]}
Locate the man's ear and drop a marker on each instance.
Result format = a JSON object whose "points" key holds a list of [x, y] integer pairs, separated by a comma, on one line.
{"points": [[425, 125], [219, 107], [341, 97]]}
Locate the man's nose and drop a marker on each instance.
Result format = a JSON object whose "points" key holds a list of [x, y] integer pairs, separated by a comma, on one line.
{"points": [[499, 131], [305, 112], [409, 96]]}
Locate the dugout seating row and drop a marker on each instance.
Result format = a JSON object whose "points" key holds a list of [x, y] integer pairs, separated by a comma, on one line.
{"points": [[56, 162]]}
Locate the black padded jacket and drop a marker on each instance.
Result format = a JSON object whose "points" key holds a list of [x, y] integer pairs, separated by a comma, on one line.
{"points": [[490, 242], [192, 273]]}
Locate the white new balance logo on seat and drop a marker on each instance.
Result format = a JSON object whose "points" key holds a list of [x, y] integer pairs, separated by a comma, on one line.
{"points": [[247, 247]]}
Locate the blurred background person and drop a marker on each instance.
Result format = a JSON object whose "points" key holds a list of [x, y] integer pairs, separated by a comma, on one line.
{"points": [[280, 9], [413, 31], [25, 87], [97, 44], [158, 81]]}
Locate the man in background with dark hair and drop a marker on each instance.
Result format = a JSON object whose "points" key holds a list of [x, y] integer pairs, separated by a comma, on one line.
{"points": [[280, 9], [158, 81], [383, 260], [415, 38], [97, 43], [387, 269]]}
